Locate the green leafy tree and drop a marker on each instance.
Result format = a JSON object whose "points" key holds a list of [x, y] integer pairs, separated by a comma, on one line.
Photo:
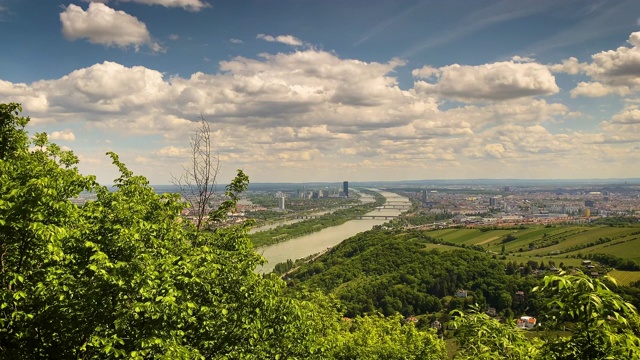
{"points": [[602, 320], [123, 276], [377, 337], [481, 337]]}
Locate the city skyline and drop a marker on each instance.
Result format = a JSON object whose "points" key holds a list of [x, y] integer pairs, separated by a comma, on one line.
{"points": [[301, 90]]}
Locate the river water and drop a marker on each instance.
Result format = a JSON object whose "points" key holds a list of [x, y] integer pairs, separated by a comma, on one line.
{"points": [[364, 198], [326, 238]]}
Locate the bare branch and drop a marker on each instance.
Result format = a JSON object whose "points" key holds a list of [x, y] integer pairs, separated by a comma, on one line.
{"points": [[198, 181]]}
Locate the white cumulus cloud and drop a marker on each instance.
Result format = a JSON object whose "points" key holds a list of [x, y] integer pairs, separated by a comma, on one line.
{"points": [[618, 67], [596, 89], [190, 5], [495, 81], [284, 39], [100, 24], [65, 135]]}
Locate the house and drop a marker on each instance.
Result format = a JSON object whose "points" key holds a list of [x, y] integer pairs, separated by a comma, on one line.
{"points": [[436, 325], [586, 262], [595, 274], [491, 311], [461, 293], [526, 322], [411, 319], [519, 296]]}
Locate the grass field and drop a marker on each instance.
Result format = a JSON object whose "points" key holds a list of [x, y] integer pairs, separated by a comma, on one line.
{"points": [[627, 247], [440, 247], [558, 243], [625, 277]]}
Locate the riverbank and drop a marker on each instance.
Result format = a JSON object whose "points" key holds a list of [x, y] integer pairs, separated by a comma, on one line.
{"points": [[310, 244], [297, 229]]}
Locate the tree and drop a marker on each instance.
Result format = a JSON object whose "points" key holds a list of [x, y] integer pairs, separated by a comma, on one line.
{"points": [[601, 317], [12, 132], [121, 275], [481, 337], [377, 337], [198, 182]]}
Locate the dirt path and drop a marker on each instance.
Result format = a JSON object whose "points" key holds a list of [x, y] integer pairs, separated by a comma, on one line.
{"points": [[488, 240]]}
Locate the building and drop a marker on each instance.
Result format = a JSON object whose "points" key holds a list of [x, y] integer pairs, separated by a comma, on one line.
{"points": [[281, 203], [345, 188], [493, 202], [526, 322]]}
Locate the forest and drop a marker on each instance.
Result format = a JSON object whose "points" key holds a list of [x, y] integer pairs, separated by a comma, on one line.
{"points": [[124, 276]]}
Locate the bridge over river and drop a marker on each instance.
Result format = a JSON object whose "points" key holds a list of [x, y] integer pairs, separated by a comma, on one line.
{"points": [[368, 216]]}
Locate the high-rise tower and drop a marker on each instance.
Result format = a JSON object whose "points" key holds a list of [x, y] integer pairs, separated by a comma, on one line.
{"points": [[345, 188]]}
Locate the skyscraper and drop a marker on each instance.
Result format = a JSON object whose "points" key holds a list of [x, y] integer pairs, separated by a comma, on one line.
{"points": [[345, 188]]}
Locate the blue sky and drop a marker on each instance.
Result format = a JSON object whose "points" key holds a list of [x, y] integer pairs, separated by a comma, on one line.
{"points": [[333, 90]]}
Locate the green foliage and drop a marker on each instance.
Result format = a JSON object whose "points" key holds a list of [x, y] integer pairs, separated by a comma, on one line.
{"points": [[124, 276], [392, 273], [616, 262], [338, 217], [601, 319], [481, 337], [12, 133], [377, 337]]}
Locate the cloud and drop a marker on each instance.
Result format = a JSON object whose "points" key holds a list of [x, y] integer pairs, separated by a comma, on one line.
{"points": [[620, 67], [284, 39], [612, 71], [190, 5], [624, 127], [596, 89], [495, 150], [570, 66], [309, 110], [522, 59], [65, 135], [103, 25], [495, 81], [627, 116], [235, 41], [173, 151], [174, 37]]}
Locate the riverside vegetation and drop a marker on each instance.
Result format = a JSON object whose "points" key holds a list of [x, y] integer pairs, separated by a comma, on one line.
{"points": [[125, 277], [338, 217]]}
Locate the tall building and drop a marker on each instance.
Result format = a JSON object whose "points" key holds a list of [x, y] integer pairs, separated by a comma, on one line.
{"points": [[281, 203], [493, 201], [345, 188], [424, 196]]}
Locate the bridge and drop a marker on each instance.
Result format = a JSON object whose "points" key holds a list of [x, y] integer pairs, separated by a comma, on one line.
{"points": [[376, 217], [394, 206], [307, 216]]}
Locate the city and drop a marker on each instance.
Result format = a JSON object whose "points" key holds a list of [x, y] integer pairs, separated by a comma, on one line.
{"points": [[273, 179]]}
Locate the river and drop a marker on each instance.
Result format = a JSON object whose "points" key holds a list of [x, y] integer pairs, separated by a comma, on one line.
{"points": [[364, 198], [326, 238]]}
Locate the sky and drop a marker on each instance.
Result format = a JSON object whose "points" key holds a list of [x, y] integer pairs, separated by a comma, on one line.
{"points": [[332, 90]]}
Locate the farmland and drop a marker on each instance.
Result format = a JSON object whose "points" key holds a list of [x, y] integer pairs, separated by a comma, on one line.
{"points": [[625, 277], [565, 244]]}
